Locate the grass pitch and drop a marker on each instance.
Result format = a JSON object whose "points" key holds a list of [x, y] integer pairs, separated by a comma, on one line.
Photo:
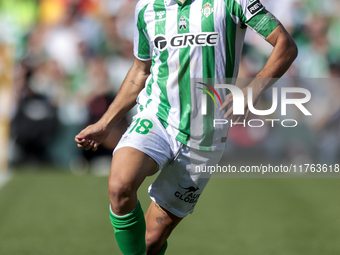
{"points": [[59, 213]]}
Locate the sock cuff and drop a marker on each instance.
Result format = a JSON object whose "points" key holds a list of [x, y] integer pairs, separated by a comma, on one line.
{"points": [[121, 216], [127, 220]]}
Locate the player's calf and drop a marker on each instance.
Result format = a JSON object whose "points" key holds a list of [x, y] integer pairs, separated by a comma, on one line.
{"points": [[159, 225], [154, 242]]}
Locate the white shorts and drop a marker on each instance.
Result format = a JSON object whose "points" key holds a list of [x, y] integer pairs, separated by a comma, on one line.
{"points": [[179, 184]]}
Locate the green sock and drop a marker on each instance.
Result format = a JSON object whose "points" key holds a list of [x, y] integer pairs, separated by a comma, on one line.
{"points": [[130, 231], [162, 251]]}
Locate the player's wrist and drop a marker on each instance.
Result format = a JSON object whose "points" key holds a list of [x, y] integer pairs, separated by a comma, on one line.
{"points": [[106, 123], [257, 86]]}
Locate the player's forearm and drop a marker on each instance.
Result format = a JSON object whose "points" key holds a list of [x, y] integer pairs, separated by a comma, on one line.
{"points": [[283, 55], [127, 95]]}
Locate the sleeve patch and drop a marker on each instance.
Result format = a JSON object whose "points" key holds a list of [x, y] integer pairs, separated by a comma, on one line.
{"points": [[254, 7]]}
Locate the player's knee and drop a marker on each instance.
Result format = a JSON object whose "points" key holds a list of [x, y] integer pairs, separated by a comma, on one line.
{"points": [[120, 194], [154, 242]]}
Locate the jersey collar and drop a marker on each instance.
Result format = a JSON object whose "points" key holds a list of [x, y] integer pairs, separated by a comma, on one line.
{"points": [[172, 2]]}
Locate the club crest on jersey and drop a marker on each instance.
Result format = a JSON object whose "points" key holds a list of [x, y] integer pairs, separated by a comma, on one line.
{"points": [[182, 23], [207, 10]]}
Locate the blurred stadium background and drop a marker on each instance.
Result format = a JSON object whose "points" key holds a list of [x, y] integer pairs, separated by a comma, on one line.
{"points": [[61, 64]]}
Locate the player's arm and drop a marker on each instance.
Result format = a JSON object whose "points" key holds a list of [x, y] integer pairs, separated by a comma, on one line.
{"points": [[126, 98], [284, 53], [134, 82]]}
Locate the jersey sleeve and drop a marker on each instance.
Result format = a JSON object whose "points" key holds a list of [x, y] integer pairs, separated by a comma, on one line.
{"points": [[142, 46], [253, 14]]}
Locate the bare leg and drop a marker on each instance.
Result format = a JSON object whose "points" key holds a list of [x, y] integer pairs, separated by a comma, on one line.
{"points": [[159, 225], [129, 168]]}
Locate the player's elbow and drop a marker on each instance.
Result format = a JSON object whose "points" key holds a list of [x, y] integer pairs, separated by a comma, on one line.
{"points": [[291, 49], [141, 67]]}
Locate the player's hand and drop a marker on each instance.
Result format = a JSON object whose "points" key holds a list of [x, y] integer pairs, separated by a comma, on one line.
{"points": [[229, 100], [92, 136]]}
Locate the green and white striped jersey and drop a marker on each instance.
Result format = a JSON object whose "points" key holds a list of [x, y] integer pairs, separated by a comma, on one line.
{"points": [[198, 40]]}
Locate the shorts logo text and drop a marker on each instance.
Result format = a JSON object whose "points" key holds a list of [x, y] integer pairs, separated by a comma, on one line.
{"points": [[188, 196]]}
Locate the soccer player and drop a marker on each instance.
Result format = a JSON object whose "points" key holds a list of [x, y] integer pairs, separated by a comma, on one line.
{"points": [[176, 43]]}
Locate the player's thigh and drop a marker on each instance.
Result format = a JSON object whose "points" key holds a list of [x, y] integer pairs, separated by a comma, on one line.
{"points": [[142, 150], [159, 225], [130, 167]]}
